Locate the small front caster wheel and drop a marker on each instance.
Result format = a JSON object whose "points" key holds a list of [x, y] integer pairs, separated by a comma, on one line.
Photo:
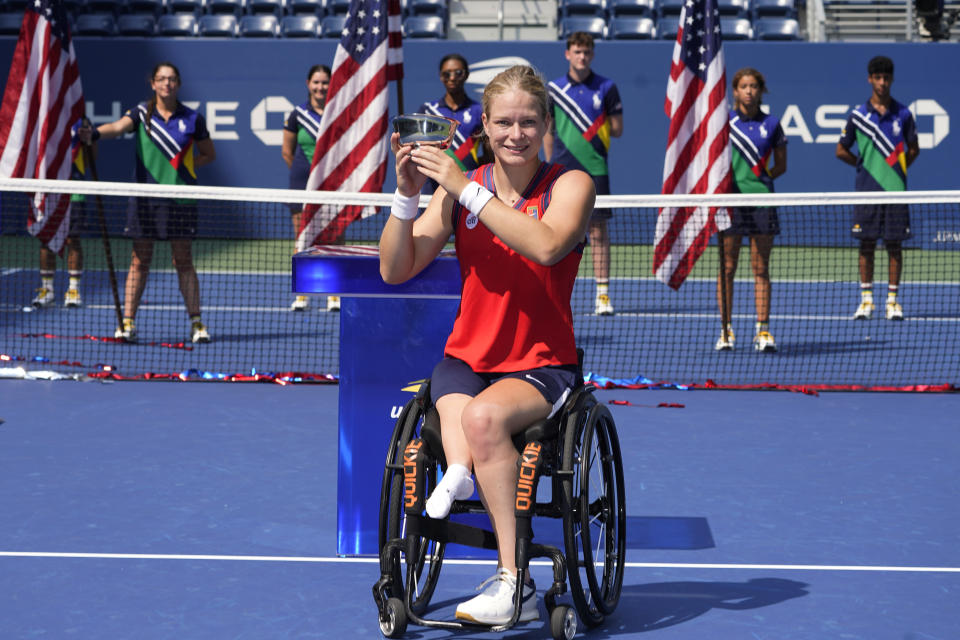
{"points": [[563, 623], [396, 619]]}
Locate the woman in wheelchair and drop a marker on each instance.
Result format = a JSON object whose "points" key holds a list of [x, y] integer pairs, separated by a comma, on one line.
{"points": [[510, 360]]}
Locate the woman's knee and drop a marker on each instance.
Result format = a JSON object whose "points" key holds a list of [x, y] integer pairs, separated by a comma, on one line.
{"points": [[182, 255], [142, 256], [482, 424]]}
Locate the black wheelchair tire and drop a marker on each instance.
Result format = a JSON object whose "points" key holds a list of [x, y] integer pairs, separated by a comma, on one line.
{"points": [[392, 518], [596, 525]]}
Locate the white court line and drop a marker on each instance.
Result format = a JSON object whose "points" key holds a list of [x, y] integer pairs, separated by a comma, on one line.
{"points": [[367, 560], [773, 316]]}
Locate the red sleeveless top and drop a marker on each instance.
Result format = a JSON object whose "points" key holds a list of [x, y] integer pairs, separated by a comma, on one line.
{"points": [[514, 314]]}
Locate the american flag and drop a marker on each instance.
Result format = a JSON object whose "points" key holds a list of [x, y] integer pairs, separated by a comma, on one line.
{"points": [[351, 152], [698, 148], [42, 101]]}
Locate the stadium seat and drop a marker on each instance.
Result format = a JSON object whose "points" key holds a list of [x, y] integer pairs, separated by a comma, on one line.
{"points": [[141, 25], [667, 8], [196, 7], [631, 7], [667, 28], [72, 7], [594, 25], [95, 24], [14, 6], [232, 7], [583, 8], [177, 25], [332, 26], [338, 7], [772, 28], [738, 8], [10, 23], [785, 8], [736, 29], [218, 25], [300, 26], [312, 7], [113, 7], [424, 27], [271, 7], [153, 7], [259, 26], [630, 28], [427, 7]]}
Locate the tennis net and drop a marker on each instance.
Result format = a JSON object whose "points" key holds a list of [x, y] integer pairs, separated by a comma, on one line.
{"points": [[242, 255]]}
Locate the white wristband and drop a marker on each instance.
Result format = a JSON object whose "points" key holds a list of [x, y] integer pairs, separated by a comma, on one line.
{"points": [[475, 197], [404, 207]]}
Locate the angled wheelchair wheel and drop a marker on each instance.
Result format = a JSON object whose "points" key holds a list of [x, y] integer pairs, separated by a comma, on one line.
{"points": [[595, 527], [425, 568]]}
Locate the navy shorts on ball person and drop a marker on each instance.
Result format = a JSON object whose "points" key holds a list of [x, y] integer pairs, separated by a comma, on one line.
{"points": [[161, 219], [887, 222], [601, 185], [754, 221], [455, 376]]}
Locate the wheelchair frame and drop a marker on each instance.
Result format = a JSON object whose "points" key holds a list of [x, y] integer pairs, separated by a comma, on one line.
{"points": [[582, 434]]}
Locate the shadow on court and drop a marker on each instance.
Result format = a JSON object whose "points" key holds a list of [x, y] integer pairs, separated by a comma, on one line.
{"points": [[665, 604]]}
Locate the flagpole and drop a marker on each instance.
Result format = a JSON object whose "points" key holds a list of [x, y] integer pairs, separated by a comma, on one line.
{"points": [[89, 161], [724, 314], [399, 96]]}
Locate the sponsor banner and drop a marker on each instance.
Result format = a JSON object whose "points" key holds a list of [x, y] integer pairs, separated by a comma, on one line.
{"points": [[246, 88]]}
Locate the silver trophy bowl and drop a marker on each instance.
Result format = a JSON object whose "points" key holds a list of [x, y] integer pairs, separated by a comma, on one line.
{"points": [[424, 128]]}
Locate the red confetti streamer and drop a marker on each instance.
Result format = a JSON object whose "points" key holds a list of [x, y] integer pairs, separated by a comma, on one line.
{"points": [[52, 336], [662, 405]]}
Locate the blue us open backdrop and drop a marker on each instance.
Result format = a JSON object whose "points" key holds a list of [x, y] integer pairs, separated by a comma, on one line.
{"points": [[246, 87]]}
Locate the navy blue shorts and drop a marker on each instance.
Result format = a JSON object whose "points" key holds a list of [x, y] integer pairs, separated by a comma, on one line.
{"points": [[161, 219], [754, 221], [602, 186], [78, 213], [455, 376], [889, 222]]}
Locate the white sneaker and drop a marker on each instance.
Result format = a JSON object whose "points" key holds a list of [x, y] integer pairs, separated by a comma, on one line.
{"points": [[127, 332], [864, 311], [198, 332], [72, 299], [894, 310], [494, 605], [43, 298], [456, 484], [764, 341], [300, 303], [725, 343], [603, 306], [333, 303]]}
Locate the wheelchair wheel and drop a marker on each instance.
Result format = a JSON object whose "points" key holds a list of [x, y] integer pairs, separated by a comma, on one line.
{"points": [[595, 527], [429, 558]]}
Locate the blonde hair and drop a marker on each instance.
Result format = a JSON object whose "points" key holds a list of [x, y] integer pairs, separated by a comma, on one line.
{"points": [[523, 78]]}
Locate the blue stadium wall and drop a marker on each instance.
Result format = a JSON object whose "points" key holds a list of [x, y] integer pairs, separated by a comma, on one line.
{"points": [[246, 87]]}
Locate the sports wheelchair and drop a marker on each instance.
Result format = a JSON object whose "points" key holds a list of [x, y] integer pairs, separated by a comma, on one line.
{"points": [[577, 448]]}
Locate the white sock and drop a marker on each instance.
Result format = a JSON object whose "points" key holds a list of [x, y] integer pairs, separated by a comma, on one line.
{"points": [[456, 484]]}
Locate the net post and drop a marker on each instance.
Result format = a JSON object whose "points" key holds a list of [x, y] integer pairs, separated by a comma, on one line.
{"points": [[90, 162]]}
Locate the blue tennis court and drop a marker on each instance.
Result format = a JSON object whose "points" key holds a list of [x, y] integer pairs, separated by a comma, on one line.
{"points": [[188, 510]]}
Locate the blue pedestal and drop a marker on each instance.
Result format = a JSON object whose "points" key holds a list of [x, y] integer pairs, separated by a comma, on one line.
{"points": [[390, 336]]}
